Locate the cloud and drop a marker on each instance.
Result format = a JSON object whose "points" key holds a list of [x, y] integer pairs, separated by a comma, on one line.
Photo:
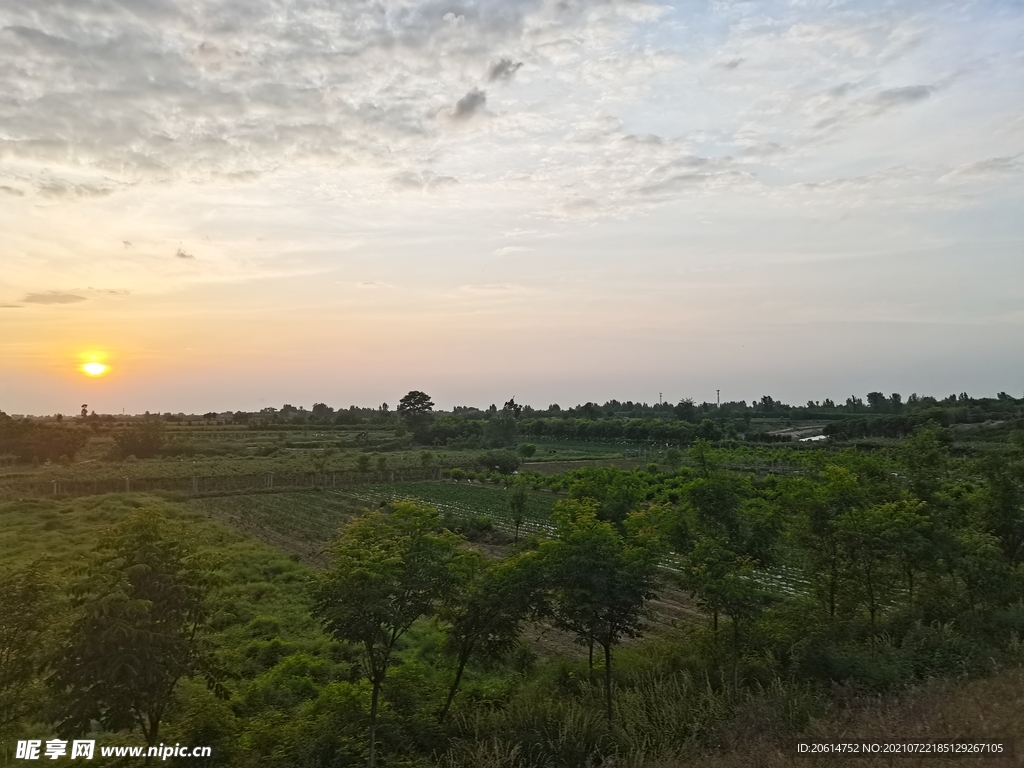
{"points": [[992, 168], [896, 97], [731, 64], [374, 284], [110, 291], [469, 104], [423, 181], [60, 188], [505, 250], [503, 69], [492, 288], [53, 297], [11, 306], [183, 254], [11, 191]]}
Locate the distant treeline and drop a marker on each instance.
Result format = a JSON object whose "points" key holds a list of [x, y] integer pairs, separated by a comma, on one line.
{"points": [[876, 416]]}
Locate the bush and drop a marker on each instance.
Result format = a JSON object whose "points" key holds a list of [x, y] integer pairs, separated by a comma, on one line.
{"points": [[504, 462]]}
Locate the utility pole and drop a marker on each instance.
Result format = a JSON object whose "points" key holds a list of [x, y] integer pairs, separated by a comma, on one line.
{"points": [[718, 398], [659, 398]]}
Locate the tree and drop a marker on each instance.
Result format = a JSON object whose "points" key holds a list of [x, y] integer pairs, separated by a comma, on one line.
{"points": [[877, 401], [822, 506], [503, 462], [322, 411], [686, 410], [27, 621], [601, 578], [139, 628], [674, 458], [415, 409], [869, 538], [485, 615], [322, 458], [388, 568], [143, 440], [517, 506], [616, 492], [721, 538]]}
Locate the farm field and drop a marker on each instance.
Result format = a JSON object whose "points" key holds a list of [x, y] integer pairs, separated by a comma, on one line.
{"points": [[303, 522]]}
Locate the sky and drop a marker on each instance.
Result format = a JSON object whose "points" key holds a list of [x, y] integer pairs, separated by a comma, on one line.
{"points": [[234, 204]]}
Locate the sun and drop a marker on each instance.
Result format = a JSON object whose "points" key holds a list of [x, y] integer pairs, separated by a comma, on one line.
{"points": [[94, 369]]}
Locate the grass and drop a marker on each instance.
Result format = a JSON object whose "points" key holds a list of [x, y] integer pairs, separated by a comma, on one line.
{"points": [[261, 604]]}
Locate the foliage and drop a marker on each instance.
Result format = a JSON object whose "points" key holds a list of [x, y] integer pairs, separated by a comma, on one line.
{"points": [[141, 613], [601, 579], [28, 440], [143, 440], [28, 625], [487, 608], [388, 568]]}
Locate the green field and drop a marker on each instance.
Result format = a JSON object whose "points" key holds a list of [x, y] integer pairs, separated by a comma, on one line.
{"points": [[303, 522]]}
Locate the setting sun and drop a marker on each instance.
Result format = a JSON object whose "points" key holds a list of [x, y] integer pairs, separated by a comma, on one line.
{"points": [[94, 369]]}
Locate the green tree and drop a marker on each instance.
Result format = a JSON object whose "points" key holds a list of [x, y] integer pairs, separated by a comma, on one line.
{"points": [[868, 538], [723, 581], [686, 410], [487, 610], [415, 409], [926, 457], [527, 450], [27, 625], [517, 506], [139, 629], [142, 440], [388, 568], [601, 579], [674, 458], [321, 459], [616, 492], [820, 506], [1004, 502]]}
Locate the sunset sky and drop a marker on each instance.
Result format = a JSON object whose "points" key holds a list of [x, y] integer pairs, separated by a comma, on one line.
{"points": [[241, 203]]}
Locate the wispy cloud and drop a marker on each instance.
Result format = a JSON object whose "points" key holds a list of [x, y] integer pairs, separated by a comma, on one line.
{"points": [[53, 297]]}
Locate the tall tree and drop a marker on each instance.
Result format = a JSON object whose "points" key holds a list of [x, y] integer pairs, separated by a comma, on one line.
{"points": [[141, 615], [415, 408], [388, 568], [601, 578], [517, 506], [820, 507], [487, 609]]}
